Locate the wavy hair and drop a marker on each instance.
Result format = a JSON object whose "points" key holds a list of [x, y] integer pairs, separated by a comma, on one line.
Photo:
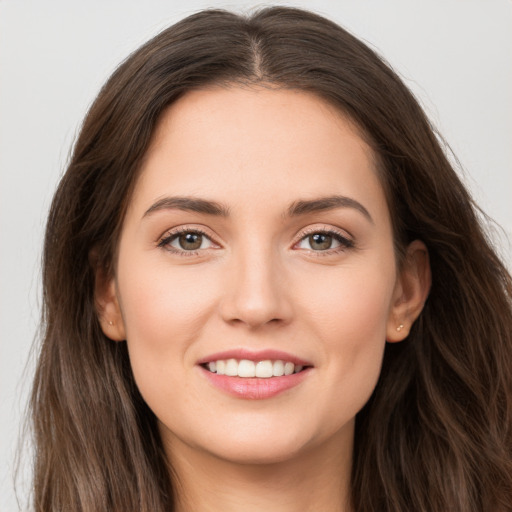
{"points": [[436, 434]]}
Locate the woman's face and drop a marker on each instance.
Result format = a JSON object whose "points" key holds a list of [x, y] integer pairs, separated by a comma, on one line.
{"points": [[258, 232]]}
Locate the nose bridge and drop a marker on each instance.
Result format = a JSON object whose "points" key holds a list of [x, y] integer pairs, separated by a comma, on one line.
{"points": [[256, 293]]}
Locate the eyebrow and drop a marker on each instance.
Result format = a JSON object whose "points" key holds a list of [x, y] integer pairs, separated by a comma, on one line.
{"points": [[321, 204], [189, 204], [297, 208]]}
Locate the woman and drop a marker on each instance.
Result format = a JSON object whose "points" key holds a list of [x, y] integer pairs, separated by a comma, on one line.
{"points": [[254, 207]]}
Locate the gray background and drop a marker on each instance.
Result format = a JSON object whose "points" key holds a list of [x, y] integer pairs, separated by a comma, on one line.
{"points": [[456, 56]]}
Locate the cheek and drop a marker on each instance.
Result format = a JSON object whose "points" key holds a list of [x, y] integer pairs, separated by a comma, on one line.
{"points": [[349, 303], [159, 305], [163, 312], [350, 319]]}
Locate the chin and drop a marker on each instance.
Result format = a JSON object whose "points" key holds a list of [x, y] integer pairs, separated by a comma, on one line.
{"points": [[261, 453], [272, 444], [252, 455], [253, 445]]}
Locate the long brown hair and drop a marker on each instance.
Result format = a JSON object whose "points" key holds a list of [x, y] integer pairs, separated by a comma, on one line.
{"points": [[436, 434]]}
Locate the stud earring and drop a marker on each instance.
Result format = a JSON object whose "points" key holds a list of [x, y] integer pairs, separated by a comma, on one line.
{"points": [[400, 327], [110, 322]]}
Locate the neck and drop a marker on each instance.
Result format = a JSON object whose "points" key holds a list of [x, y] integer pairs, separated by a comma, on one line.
{"points": [[317, 479]]}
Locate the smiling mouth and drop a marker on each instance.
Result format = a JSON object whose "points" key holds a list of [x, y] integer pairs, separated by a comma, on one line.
{"points": [[245, 368]]}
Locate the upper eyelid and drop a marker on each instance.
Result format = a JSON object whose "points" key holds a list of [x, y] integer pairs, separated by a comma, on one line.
{"points": [[300, 235], [172, 233], [197, 228], [323, 229], [165, 241], [345, 239]]}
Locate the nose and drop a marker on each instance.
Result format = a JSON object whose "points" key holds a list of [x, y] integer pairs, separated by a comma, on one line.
{"points": [[256, 291]]}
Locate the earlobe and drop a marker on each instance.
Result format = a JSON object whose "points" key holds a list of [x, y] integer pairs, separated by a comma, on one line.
{"points": [[107, 307], [411, 291]]}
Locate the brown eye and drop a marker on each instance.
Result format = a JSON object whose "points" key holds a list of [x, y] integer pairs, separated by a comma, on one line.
{"points": [[190, 241], [186, 242], [320, 241], [323, 241]]}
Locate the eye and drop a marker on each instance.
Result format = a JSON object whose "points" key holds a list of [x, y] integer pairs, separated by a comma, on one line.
{"points": [[322, 241], [186, 241], [319, 242]]}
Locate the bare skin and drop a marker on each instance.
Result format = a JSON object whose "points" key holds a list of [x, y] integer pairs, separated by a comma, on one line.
{"points": [[259, 224], [287, 486]]}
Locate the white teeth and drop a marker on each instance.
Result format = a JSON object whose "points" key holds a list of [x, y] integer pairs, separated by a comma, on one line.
{"points": [[264, 369], [231, 368], [278, 368], [288, 368], [246, 368], [261, 369], [221, 365]]}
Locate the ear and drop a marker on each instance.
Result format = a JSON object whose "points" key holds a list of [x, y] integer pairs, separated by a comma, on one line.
{"points": [[411, 291], [107, 305]]}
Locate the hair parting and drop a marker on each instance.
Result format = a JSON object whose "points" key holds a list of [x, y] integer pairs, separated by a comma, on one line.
{"points": [[436, 434]]}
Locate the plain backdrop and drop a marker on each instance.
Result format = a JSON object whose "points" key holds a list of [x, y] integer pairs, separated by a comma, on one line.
{"points": [[456, 56]]}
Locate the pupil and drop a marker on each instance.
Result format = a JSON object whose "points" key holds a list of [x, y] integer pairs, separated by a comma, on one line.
{"points": [[320, 241], [190, 241]]}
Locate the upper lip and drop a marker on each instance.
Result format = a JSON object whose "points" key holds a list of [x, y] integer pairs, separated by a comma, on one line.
{"points": [[259, 355]]}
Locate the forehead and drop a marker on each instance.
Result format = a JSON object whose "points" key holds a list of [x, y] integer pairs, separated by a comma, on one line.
{"points": [[257, 144]]}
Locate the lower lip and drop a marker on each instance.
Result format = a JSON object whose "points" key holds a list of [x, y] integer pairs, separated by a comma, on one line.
{"points": [[255, 388]]}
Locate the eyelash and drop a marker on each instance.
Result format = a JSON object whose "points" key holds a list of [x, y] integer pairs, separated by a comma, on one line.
{"points": [[345, 243], [165, 243], [343, 240]]}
